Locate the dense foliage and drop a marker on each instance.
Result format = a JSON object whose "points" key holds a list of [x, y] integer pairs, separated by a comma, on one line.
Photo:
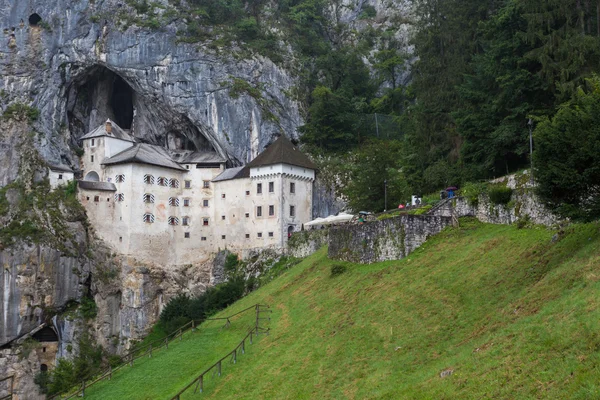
{"points": [[567, 158]]}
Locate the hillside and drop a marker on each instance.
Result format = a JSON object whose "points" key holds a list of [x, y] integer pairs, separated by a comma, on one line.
{"points": [[511, 312]]}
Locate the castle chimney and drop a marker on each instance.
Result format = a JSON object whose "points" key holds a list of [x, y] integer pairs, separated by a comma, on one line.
{"points": [[108, 127]]}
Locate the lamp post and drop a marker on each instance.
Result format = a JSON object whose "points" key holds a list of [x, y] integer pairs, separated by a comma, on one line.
{"points": [[530, 124], [385, 194]]}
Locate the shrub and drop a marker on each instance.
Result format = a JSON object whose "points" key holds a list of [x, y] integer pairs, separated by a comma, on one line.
{"points": [[88, 308], [500, 194], [338, 269], [471, 191], [368, 11], [20, 111]]}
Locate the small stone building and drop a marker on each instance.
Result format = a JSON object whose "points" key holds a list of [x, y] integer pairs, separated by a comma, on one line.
{"points": [[59, 175], [48, 348], [179, 206]]}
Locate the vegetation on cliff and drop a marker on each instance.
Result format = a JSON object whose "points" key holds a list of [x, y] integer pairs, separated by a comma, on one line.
{"points": [[480, 311]]}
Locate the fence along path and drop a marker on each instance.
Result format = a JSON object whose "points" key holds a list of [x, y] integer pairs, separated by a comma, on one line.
{"points": [[198, 382], [9, 382], [146, 351]]}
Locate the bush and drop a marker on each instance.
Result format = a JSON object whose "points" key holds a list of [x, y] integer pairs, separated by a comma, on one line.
{"points": [[500, 194], [88, 308], [338, 269], [471, 191]]}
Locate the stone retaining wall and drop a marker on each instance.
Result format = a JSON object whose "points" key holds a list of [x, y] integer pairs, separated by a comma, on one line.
{"points": [[389, 239]]}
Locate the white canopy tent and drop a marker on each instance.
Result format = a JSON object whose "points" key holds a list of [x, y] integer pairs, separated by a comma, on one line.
{"points": [[331, 220]]}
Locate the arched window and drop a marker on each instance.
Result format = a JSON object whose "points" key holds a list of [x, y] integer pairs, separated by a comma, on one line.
{"points": [[120, 178], [34, 19], [162, 181], [149, 218], [174, 183], [174, 201], [119, 197], [148, 198], [185, 221], [43, 368], [173, 221], [149, 179], [92, 176]]}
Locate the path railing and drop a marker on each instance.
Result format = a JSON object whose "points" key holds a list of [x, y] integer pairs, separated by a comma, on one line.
{"points": [[10, 381], [216, 368], [146, 351]]}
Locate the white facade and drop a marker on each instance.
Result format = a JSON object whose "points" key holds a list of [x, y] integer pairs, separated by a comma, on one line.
{"points": [[176, 216], [59, 177]]}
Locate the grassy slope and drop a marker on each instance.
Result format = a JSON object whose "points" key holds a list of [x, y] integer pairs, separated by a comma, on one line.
{"points": [[512, 314]]}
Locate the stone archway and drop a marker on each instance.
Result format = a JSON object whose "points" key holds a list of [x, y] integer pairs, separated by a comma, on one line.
{"points": [[92, 176]]}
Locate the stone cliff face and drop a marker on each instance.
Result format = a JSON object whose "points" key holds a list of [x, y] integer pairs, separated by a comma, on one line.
{"points": [[75, 62]]}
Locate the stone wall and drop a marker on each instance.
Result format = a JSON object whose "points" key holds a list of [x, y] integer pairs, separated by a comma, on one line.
{"points": [[523, 204], [389, 239], [304, 243]]}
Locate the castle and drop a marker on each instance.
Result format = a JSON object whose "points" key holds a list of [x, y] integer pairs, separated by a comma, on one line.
{"points": [[179, 206]]}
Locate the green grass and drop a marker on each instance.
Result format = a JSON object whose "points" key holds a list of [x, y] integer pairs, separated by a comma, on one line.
{"points": [[512, 314]]}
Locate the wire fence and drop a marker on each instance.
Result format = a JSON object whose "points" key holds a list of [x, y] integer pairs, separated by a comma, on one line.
{"points": [[145, 350], [379, 126], [217, 368]]}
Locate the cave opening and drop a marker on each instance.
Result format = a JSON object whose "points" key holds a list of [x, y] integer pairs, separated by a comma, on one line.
{"points": [[34, 19], [122, 102], [97, 93]]}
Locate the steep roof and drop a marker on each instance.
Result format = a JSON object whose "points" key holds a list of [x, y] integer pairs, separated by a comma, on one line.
{"points": [[282, 151], [232, 173], [115, 132], [60, 167], [145, 154], [195, 157]]}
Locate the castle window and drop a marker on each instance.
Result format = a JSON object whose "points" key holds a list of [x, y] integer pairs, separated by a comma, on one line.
{"points": [[292, 211], [119, 197], [259, 188], [186, 235], [174, 201], [259, 234], [148, 198], [259, 211], [108, 199], [93, 143], [222, 195], [203, 238], [121, 239], [173, 221], [162, 181], [247, 215], [96, 198], [271, 210], [223, 217], [92, 158], [247, 193], [59, 176], [223, 237], [205, 184], [292, 187], [185, 221], [247, 236], [270, 234], [148, 218], [271, 187], [205, 221], [204, 203], [186, 202], [174, 183], [120, 178], [149, 179], [188, 184]]}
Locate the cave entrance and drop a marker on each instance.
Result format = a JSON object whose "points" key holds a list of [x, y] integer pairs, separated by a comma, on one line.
{"points": [[34, 19], [96, 95], [122, 102]]}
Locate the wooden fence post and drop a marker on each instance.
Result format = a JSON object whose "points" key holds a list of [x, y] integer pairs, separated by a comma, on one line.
{"points": [[167, 342], [180, 334], [83, 389], [244, 346], [150, 356], [109, 372], [193, 326], [234, 356], [219, 368], [131, 359], [250, 337]]}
